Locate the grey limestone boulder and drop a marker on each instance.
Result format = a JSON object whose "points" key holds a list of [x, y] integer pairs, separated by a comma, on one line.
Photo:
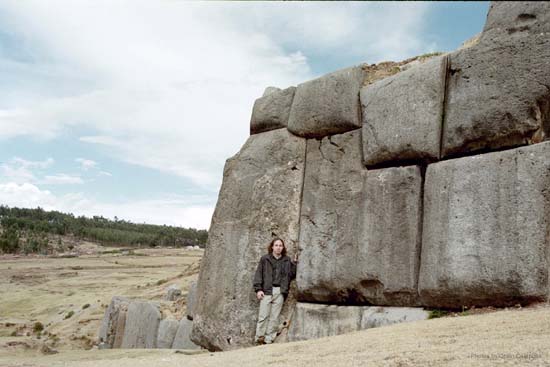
{"points": [[331, 219], [498, 91], [327, 105], [271, 111], [508, 17], [172, 293], [142, 323], [114, 321], [191, 300], [391, 236], [402, 114], [166, 333], [360, 230], [270, 90], [259, 199], [182, 339], [485, 237], [311, 321]]}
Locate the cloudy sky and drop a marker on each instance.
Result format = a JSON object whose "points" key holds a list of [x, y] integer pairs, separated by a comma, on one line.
{"points": [[130, 108]]}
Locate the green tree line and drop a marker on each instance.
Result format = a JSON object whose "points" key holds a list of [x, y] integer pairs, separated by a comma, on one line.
{"points": [[27, 230]]}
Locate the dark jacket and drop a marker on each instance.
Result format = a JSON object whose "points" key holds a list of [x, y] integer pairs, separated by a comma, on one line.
{"points": [[263, 279]]}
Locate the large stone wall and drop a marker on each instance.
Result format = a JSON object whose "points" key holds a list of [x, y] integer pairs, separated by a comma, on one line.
{"points": [[428, 187]]}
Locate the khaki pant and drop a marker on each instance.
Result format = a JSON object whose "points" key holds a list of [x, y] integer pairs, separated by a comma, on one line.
{"points": [[268, 316]]}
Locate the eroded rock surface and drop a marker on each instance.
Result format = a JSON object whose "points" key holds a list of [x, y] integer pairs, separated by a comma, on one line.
{"points": [[271, 111], [402, 115], [259, 199], [142, 322], [486, 220], [312, 321], [327, 105]]}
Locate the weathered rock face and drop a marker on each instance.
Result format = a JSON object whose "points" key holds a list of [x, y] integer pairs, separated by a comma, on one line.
{"points": [[402, 114], [142, 322], [182, 340], [498, 92], [166, 333], [114, 322], [271, 111], [312, 321], [259, 199], [331, 215], [360, 231], [327, 105], [172, 293], [191, 300], [485, 239], [508, 17], [391, 235]]}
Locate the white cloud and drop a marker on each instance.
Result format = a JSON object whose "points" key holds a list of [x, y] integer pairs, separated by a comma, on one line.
{"points": [[21, 170], [169, 210], [86, 164], [170, 85], [61, 179]]}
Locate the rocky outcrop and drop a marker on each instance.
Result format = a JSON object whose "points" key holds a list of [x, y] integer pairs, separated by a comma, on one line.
{"points": [[312, 321], [327, 105], [485, 239], [259, 199]]}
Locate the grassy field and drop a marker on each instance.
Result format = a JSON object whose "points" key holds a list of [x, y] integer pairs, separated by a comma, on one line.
{"points": [[67, 297]]}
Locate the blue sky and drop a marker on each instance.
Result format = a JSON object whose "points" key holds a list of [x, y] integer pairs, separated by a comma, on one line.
{"points": [[130, 108]]}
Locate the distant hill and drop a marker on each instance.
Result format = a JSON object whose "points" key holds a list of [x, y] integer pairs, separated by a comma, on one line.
{"points": [[30, 230]]}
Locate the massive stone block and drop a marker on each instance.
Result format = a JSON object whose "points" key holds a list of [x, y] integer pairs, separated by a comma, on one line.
{"points": [[391, 235], [360, 231], [142, 322], [486, 229], [182, 340], [191, 300], [166, 333], [312, 321], [330, 218], [327, 105], [498, 92], [271, 111], [508, 17], [402, 114], [114, 322], [259, 199]]}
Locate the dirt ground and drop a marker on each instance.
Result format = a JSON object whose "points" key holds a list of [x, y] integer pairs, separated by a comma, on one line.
{"points": [[46, 290], [68, 295]]}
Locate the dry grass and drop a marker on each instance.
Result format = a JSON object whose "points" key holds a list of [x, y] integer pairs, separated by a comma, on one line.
{"points": [[47, 290], [503, 338]]}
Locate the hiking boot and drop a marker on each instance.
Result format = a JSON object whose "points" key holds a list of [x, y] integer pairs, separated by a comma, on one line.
{"points": [[260, 340]]}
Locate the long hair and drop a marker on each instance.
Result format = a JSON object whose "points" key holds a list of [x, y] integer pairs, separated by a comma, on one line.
{"points": [[270, 246]]}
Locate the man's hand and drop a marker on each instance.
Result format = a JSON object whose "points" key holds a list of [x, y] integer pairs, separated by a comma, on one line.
{"points": [[295, 258], [260, 295]]}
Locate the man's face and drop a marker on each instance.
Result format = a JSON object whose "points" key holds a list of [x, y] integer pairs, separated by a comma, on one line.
{"points": [[277, 248]]}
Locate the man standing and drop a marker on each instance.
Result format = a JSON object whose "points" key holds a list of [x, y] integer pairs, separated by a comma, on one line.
{"points": [[271, 284]]}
